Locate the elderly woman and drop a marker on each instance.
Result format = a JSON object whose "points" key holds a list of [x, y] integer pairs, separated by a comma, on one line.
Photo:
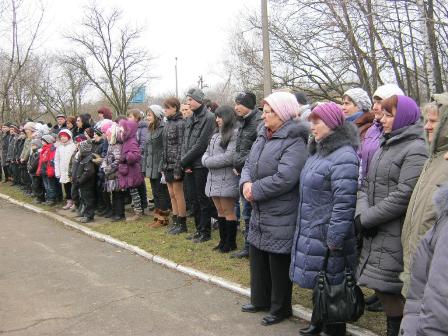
{"points": [[328, 187], [269, 180], [383, 201]]}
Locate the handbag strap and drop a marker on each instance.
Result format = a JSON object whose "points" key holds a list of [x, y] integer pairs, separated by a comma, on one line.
{"points": [[327, 256]]}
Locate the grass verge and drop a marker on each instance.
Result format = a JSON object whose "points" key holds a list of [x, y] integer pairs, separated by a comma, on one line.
{"points": [[198, 256]]}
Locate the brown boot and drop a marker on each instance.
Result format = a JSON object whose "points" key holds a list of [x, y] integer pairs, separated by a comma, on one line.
{"points": [[159, 223]]}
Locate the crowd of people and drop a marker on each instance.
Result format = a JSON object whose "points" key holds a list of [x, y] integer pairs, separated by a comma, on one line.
{"points": [[359, 186]]}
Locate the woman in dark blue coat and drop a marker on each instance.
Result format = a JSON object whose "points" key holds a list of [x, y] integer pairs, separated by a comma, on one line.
{"points": [[269, 180], [328, 187]]}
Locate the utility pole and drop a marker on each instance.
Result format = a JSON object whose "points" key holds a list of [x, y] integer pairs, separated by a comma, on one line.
{"points": [[175, 74], [267, 80]]}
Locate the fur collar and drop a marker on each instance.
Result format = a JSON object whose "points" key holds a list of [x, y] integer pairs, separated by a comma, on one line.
{"points": [[345, 135], [290, 129]]}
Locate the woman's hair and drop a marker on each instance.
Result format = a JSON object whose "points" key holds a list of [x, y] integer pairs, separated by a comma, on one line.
{"points": [[136, 113], [71, 120], [430, 107], [390, 103], [156, 122], [172, 102], [227, 114]]}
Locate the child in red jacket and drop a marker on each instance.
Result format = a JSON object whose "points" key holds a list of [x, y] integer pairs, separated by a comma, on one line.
{"points": [[46, 170]]}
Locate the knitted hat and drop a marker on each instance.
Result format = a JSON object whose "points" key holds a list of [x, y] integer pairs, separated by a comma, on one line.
{"points": [[441, 98], [408, 113], [388, 90], [157, 110], [89, 133], [85, 146], [48, 138], [105, 125], [360, 98], [80, 138], [14, 126], [106, 112], [284, 104], [37, 143], [330, 113], [65, 131], [196, 94], [30, 126], [247, 99]]}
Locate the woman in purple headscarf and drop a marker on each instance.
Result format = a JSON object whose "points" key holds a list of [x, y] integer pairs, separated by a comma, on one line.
{"points": [[383, 201]]}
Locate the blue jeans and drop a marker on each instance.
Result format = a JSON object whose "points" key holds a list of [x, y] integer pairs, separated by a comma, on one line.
{"points": [[50, 185]]}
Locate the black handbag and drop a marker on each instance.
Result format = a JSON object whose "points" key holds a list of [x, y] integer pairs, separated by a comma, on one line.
{"points": [[337, 303]]}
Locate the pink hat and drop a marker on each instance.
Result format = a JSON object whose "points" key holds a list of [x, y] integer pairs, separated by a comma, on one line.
{"points": [[284, 104], [106, 125], [330, 113]]}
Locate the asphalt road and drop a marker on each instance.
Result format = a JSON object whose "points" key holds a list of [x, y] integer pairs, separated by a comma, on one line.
{"points": [[56, 281]]}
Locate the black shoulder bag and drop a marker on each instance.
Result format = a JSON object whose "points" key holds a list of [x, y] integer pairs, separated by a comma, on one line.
{"points": [[337, 303]]}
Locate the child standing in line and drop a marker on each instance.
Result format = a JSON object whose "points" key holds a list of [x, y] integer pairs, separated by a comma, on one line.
{"points": [[37, 186], [45, 169], [62, 159]]}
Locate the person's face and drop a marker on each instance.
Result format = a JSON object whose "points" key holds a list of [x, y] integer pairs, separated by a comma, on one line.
{"points": [[192, 103], [241, 110], [69, 125], [150, 118], [319, 129], [78, 122], [5, 129], [29, 133], [63, 138], [33, 147], [100, 116], [219, 121], [186, 111], [388, 120], [271, 119], [169, 111], [432, 122], [97, 138], [348, 107], [377, 109], [60, 121], [132, 118]]}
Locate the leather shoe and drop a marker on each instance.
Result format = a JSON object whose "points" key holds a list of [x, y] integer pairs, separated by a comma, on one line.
{"points": [[193, 236], [271, 319], [250, 308], [311, 329], [241, 254]]}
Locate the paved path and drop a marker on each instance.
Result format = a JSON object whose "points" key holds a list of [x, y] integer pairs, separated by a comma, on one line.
{"points": [[55, 281]]}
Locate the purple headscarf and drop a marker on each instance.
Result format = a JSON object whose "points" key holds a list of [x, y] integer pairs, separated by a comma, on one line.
{"points": [[408, 113]]}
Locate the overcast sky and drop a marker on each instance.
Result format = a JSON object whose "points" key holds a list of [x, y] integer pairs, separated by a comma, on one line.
{"points": [[195, 31]]}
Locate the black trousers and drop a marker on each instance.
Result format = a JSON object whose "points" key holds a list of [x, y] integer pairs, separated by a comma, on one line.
{"points": [[68, 190], [75, 195], [37, 187], [269, 281], [15, 168], [87, 195], [201, 205], [118, 203], [143, 195], [161, 195], [5, 172], [26, 178]]}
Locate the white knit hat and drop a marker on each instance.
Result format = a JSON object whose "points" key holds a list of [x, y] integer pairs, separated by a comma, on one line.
{"points": [[388, 90]]}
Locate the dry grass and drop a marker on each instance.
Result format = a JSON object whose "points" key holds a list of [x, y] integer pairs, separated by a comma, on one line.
{"points": [[198, 256]]}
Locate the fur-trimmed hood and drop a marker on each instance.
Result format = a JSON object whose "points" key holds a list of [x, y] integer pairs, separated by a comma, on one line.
{"points": [[345, 135]]}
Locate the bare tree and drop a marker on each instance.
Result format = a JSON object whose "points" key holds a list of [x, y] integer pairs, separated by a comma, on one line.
{"points": [[106, 52]]}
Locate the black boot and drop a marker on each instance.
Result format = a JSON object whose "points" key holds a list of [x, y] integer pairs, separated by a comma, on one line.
{"points": [[230, 243], [174, 224], [311, 329], [182, 226], [393, 325], [334, 329], [222, 233]]}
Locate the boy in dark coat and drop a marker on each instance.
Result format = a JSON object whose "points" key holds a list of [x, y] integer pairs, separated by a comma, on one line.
{"points": [[37, 186], [83, 176]]}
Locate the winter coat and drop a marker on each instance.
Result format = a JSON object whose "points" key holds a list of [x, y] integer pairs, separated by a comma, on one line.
{"points": [[56, 128], [382, 204], [12, 144], [62, 158], [152, 154], [327, 204], [247, 133], [129, 169], [274, 166], [172, 137], [426, 309], [421, 215], [33, 162], [46, 161], [110, 166], [83, 174], [6, 139], [26, 150], [18, 147], [364, 122], [142, 134], [369, 146], [198, 132], [97, 147], [221, 180]]}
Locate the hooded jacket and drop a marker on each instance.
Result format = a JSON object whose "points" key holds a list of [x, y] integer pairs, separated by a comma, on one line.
{"points": [[274, 166], [421, 215], [152, 156], [327, 202], [382, 204], [426, 309], [172, 137], [62, 159], [46, 161], [129, 169]]}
